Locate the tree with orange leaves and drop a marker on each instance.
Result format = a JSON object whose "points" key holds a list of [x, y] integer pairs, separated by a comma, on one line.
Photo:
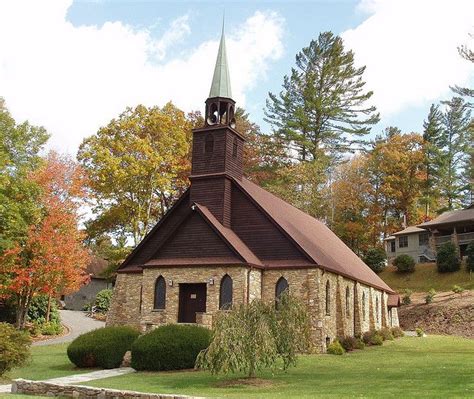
{"points": [[53, 259]]}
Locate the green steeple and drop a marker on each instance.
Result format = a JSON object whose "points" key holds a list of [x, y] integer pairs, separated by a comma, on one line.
{"points": [[220, 86]]}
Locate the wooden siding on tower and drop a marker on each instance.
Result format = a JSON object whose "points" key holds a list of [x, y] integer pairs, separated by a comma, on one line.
{"points": [[208, 163], [234, 164], [254, 228], [215, 194], [194, 239]]}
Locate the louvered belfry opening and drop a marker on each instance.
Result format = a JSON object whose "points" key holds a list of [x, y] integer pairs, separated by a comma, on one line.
{"points": [[217, 153]]}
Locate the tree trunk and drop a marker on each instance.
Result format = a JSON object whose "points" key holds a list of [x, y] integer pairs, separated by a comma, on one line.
{"points": [[252, 370]]}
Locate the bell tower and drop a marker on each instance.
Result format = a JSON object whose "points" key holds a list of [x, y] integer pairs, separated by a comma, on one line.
{"points": [[217, 155]]}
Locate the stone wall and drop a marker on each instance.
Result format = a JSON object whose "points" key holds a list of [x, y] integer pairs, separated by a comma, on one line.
{"points": [[126, 301], [37, 388]]}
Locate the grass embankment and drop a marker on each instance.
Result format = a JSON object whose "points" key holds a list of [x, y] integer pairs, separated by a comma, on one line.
{"points": [[432, 367], [425, 277]]}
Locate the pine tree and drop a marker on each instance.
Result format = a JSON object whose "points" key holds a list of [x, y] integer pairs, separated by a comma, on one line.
{"points": [[458, 142], [322, 104], [433, 142]]}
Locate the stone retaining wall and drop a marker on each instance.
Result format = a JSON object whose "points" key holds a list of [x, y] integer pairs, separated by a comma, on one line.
{"points": [[28, 387]]}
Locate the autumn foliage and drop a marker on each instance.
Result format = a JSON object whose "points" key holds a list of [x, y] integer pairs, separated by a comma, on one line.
{"points": [[52, 259]]}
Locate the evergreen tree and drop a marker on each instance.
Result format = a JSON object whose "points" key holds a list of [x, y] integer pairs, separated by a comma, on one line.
{"points": [[322, 104], [458, 140], [468, 55], [433, 142]]}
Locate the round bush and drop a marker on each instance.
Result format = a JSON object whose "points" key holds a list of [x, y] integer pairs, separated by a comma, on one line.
{"points": [[335, 348], [348, 343], [397, 332], [386, 334], [104, 347], [404, 263], [14, 347], [376, 258], [447, 259], [170, 347], [372, 337]]}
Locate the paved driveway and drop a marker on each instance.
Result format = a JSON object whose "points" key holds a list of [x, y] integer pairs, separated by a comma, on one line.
{"points": [[77, 322]]}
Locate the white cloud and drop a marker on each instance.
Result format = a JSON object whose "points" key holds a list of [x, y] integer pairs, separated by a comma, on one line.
{"points": [[74, 79], [410, 49]]}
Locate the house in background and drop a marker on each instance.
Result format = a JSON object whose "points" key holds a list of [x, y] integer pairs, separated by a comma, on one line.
{"points": [[87, 293], [422, 242]]}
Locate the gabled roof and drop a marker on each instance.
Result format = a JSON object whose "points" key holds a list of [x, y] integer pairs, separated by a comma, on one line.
{"points": [[313, 237], [409, 230], [459, 216]]}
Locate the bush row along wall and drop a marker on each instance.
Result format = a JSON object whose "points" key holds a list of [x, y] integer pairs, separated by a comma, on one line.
{"points": [[28, 387]]}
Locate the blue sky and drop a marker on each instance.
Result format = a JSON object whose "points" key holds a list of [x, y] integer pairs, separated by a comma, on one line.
{"points": [[94, 58]]}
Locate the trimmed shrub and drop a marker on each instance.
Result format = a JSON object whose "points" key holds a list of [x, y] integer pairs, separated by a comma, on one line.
{"points": [[335, 348], [376, 258], [470, 257], [170, 347], [359, 344], [102, 300], [348, 343], [430, 295], [404, 263], [104, 347], [397, 332], [406, 298], [386, 334], [447, 259], [372, 337], [14, 347]]}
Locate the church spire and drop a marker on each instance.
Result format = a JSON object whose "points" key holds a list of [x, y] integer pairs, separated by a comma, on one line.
{"points": [[220, 86]]}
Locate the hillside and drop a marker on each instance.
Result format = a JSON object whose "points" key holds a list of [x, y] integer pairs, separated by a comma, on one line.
{"points": [[449, 313], [426, 277]]}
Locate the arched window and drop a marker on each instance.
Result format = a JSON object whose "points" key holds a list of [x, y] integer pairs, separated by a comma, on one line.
{"points": [[280, 288], [328, 298], [377, 313], [225, 298], [363, 305], [209, 144], [348, 301], [160, 293]]}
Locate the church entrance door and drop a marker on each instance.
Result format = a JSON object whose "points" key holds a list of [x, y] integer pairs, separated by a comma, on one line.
{"points": [[192, 299]]}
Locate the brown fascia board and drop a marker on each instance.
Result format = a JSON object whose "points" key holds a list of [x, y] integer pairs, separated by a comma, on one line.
{"points": [[152, 231], [218, 127]]}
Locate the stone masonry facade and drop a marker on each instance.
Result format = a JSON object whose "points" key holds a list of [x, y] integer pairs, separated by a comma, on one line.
{"points": [[337, 306]]}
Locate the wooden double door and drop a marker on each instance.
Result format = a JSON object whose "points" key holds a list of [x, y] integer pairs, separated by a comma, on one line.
{"points": [[192, 300]]}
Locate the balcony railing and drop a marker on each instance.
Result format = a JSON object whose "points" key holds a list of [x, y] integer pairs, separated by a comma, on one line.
{"points": [[465, 237], [442, 239]]}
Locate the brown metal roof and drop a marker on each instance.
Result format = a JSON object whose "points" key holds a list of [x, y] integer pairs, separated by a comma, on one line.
{"points": [[409, 230], [451, 217], [313, 237], [393, 300]]}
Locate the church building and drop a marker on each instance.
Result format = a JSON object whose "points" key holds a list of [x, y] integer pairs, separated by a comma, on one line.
{"points": [[228, 241]]}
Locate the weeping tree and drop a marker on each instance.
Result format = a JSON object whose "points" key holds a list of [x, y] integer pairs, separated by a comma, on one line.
{"points": [[251, 337]]}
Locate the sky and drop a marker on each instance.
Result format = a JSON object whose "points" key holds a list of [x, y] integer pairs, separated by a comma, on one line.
{"points": [[72, 66]]}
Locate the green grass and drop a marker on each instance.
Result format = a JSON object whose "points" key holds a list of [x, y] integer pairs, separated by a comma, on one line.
{"points": [[432, 367], [47, 362], [425, 277]]}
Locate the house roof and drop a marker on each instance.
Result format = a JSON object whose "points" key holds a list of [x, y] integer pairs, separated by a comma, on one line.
{"points": [[409, 230], [451, 217], [393, 300], [315, 239]]}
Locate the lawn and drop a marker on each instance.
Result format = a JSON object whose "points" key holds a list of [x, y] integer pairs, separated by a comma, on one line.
{"points": [[426, 276], [47, 362], [432, 367]]}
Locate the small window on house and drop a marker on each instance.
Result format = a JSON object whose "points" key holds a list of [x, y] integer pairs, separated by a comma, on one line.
{"points": [[209, 144], [363, 306], [402, 241], [328, 299], [280, 288], [423, 239], [392, 246], [225, 298], [234, 148], [160, 293], [348, 301]]}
